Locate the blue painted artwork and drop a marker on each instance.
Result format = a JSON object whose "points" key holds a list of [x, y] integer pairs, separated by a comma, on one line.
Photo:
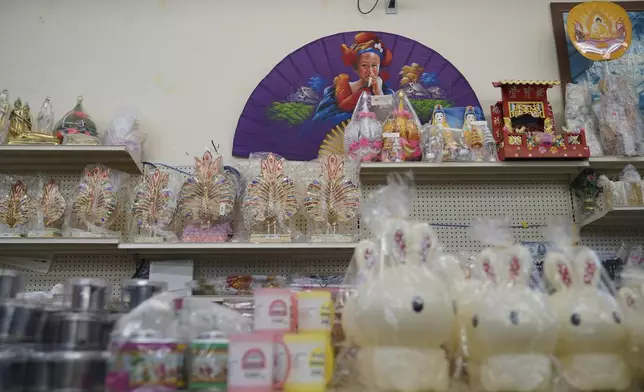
{"points": [[631, 64]]}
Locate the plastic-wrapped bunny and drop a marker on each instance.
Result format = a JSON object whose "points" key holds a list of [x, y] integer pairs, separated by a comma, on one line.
{"points": [[363, 135], [401, 318], [512, 332], [592, 337], [631, 296]]}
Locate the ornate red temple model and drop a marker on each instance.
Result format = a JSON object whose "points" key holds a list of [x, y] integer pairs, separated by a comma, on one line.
{"points": [[524, 127]]}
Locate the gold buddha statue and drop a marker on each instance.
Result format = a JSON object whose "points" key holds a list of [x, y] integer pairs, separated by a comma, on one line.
{"points": [[20, 127]]}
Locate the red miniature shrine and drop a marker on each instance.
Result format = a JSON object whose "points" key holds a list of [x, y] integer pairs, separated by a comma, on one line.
{"points": [[524, 127]]}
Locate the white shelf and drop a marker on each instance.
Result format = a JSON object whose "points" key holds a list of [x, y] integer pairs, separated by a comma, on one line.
{"points": [[242, 250], [622, 217], [65, 158], [35, 246], [528, 170], [614, 164]]}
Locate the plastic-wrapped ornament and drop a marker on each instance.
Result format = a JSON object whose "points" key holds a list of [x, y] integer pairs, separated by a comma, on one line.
{"points": [[432, 143], [402, 127], [363, 135], [77, 127], [5, 107]]}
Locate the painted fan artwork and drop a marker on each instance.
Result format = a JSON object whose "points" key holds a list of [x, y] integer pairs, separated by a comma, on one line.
{"points": [[332, 199], [270, 197], [16, 206], [96, 201], [208, 197], [52, 204], [300, 109], [151, 208]]}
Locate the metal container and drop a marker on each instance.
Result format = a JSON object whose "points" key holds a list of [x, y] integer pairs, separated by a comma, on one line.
{"points": [[76, 371], [208, 362], [135, 291], [11, 371], [20, 321], [87, 294], [11, 283], [36, 375], [108, 325], [82, 331]]}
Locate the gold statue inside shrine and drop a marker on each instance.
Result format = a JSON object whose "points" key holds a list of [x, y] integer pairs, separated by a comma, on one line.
{"points": [[20, 127]]}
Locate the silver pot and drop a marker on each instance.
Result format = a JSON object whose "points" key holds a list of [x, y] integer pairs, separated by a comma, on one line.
{"points": [[66, 371], [11, 283], [20, 321], [135, 291], [74, 331], [11, 371], [87, 294]]}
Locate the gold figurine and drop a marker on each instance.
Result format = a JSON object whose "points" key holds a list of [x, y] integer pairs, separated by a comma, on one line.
{"points": [[20, 127], [16, 207]]}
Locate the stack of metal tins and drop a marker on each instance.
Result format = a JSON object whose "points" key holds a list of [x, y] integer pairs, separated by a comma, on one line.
{"points": [[72, 355], [20, 327]]}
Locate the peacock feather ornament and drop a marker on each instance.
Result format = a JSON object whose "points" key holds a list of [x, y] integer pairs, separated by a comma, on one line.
{"points": [[270, 197], [16, 207], [209, 195], [52, 203], [151, 207], [96, 201], [332, 198]]}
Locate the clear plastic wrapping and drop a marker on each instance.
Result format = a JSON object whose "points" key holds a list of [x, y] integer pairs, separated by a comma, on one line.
{"points": [[363, 135], [5, 110], [96, 203], [124, 131], [153, 206], [332, 201], [482, 142], [580, 116], [631, 295], [431, 137], [270, 201], [632, 183], [620, 122], [49, 209], [167, 342], [17, 204], [397, 313], [207, 201], [401, 132], [592, 337], [77, 127], [614, 192], [512, 328]]}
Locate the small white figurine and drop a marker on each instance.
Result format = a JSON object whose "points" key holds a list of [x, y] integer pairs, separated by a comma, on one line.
{"points": [[592, 339], [402, 317], [512, 329]]}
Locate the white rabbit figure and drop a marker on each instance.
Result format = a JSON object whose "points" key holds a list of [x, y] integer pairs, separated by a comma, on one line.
{"points": [[591, 335], [511, 333], [631, 297], [401, 318]]}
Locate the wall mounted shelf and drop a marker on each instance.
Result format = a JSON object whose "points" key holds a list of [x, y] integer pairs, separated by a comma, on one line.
{"points": [[536, 170], [15, 158], [618, 217], [615, 164]]}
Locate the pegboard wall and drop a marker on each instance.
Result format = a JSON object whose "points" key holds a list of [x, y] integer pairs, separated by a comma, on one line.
{"points": [[451, 207]]}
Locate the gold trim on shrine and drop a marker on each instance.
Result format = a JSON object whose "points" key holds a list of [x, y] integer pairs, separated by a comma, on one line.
{"points": [[507, 82], [535, 109]]}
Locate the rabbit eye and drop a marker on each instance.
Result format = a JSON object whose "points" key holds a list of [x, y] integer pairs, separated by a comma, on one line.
{"points": [[514, 317], [475, 321], [616, 318], [575, 319], [417, 304]]}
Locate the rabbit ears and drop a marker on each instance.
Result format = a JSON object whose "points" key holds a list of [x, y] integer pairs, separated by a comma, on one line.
{"points": [[409, 242], [563, 273], [510, 265], [365, 258]]}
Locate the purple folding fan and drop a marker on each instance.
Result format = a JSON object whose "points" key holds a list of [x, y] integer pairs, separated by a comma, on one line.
{"points": [[299, 110]]}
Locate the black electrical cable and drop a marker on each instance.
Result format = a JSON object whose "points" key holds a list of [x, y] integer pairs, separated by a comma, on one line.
{"points": [[368, 12]]}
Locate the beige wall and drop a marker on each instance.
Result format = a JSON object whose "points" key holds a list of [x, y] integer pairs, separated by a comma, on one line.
{"points": [[188, 66]]}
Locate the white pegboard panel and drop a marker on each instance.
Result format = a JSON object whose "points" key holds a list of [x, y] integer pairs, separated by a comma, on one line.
{"points": [[113, 268], [441, 203]]}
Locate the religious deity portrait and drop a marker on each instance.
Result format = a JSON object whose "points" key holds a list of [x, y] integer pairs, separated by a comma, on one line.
{"points": [[366, 56]]}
